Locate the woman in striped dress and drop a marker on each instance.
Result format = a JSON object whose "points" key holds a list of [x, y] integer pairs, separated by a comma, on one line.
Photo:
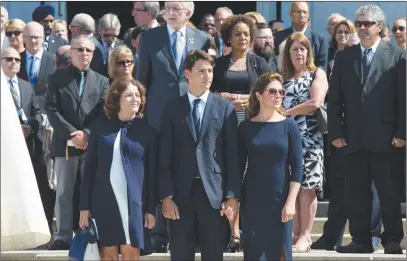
{"points": [[234, 75]]}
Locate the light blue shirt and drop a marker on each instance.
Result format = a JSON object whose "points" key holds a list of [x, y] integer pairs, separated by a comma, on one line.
{"points": [[37, 63], [374, 48], [201, 104], [183, 31]]}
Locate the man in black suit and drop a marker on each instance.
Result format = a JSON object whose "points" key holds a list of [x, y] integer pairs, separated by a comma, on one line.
{"points": [[36, 63], [109, 29], [74, 100], [198, 165], [367, 118], [84, 24], [299, 13], [44, 15], [263, 46], [30, 118]]}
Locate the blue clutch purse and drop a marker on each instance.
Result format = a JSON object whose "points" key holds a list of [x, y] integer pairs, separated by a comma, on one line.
{"points": [[81, 241]]}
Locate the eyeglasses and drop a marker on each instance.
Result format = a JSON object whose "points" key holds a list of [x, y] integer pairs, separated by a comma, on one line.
{"points": [[274, 92], [73, 26], [10, 59], [266, 38], [139, 10], [13, 33], [299, 12], [394, 29], [366, 24], [33, 37], [109, 35], [81, 50], [124, 62], [174, 9]]}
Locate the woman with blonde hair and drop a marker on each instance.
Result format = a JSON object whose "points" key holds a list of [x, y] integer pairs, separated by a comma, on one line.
{"points": [[60, 28], [14, 32], [120, 62], [306, 88], [257, 17], [271, 144]]}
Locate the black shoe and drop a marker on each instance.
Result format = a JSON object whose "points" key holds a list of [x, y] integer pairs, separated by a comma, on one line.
{"points": [[322, 245], [163, 248], [58, 245], [393, 248], [354, 247], [234, 245]]}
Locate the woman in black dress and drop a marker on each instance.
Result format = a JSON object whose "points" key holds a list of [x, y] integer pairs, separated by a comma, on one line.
{"points": [[118, 184], [271, 143]]}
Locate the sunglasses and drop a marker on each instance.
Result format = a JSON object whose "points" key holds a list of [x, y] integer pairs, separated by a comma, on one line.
{"points": [[81, 50], [10, 59], [13, 33], [274, 92], [124, 62], [394, 29], [109, 35], [367, 24]]}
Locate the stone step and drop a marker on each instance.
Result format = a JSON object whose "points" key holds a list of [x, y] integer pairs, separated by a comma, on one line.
{"points": [[314, 255]]}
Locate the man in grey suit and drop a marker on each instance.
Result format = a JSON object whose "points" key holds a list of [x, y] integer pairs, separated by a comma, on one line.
{"points": [[367, 120], [162, 51], [75, 99]]}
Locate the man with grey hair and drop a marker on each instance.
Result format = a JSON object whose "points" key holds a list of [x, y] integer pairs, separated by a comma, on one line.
{"points": [[74, 101], [369, 80], [109, 30], [84, 24], [220, 16], [333, 19], [4, 19]]}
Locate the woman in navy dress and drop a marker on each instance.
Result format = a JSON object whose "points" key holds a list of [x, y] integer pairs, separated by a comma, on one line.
{"points": [[118, 185], [272, 145]]}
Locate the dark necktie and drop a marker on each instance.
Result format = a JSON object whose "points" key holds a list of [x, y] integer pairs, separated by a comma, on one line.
{"points": [[16, 97], [196, 117], [32, 73], [81, 83], [365, 63]]}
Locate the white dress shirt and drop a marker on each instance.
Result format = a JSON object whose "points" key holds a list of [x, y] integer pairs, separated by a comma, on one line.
{"points": [[374, 48], [201, 104]]}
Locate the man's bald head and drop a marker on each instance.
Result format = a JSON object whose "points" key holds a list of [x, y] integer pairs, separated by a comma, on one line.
{"points": [[4, 17], [10, 61], [299, 15], [33, 37], [62, 57]]}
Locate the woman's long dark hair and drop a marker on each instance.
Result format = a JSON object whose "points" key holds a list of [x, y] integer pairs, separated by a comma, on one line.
{"points": [[260, 87]]}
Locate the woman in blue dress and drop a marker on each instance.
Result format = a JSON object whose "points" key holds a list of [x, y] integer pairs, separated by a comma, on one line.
{"points": [[118, 185], [272, 145]]}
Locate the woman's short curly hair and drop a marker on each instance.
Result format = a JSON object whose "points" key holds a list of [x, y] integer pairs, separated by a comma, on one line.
{"points": [[112, 101], [231, 22]]}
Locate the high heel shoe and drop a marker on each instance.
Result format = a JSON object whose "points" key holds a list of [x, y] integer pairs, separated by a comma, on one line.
{"points": [[234, 245], [302, 247]]}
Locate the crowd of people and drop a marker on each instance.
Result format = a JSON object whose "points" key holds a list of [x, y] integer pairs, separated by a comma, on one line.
{"points": [[218, 134]]}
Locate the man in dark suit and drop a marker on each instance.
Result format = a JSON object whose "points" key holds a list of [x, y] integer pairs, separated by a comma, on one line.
{"points": [[44, 15], [367, 118], [159, 68], [300, 18], [74, 100], [84, 24], [36, 63], [263, 46], [198, 169], [109, 30], [30, 118]]}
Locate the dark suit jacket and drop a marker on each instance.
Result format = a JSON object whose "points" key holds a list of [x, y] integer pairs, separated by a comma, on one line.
{"points": [[256, 66], [220, 48], [318, 42], [214, 155], [33, 113], [273, 65], [157, 71], [47, 68], [67, 112], [54, 42], [97, 64], [374, 112]]}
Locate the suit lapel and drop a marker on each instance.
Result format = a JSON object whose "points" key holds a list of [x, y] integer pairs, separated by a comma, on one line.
{"points": [[22, 94], [73, 86], [207, 114], [188, 118], [42, 64], [375, 63], [357, 62], [167, 48], [23, 68], [191, 44], [88, 84]]}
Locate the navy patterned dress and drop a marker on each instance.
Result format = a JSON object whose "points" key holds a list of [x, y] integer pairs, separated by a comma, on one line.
{"points": [[298, 92]]}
